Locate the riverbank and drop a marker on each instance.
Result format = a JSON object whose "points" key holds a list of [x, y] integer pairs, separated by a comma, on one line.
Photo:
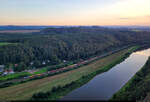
{"points": [[60, 91], [138, 88], [23, 77], [25, 91]]}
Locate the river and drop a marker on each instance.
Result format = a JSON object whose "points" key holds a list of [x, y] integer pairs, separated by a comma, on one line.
{"points": [[104, 85]]}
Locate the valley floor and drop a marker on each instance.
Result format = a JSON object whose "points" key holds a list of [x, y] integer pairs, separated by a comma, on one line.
{"points": [[25, 91]]}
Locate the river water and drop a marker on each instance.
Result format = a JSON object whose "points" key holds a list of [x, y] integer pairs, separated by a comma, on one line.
{"points": [[104, 85]]}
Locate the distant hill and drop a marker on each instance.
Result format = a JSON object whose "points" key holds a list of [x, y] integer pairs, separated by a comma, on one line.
{"points": [[144, 28], [65, 43], [11, 27], [74, 30]]}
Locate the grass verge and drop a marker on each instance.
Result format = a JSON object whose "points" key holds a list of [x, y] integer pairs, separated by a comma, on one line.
{"points": [[13, 76], [6, 43]]}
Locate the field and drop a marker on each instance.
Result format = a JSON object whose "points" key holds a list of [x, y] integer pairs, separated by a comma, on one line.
{"points": [[5, 43], [26, 90], [14, 76], [45, 69]]}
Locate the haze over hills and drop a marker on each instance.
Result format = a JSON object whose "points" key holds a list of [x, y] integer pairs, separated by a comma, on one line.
{"points": [[34, 27]]}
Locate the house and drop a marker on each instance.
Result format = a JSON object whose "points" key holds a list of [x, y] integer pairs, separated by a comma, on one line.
{"points": [[8, 71], [30, 71], [64, 61], [31, 63], [16, 65], [43, 62], [2, 68], [11, 71], [5, 72]]}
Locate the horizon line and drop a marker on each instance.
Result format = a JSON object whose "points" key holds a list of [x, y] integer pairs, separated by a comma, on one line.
{"points": [[77, 25]]}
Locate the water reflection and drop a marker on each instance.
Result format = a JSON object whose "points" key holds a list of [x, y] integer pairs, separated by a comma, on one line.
{"points": [[103, 86], [144, 53]]}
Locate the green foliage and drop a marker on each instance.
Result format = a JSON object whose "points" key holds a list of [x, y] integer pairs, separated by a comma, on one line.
{"points": [[58, 44], [14, 76], [42, 70], [6, 43]]}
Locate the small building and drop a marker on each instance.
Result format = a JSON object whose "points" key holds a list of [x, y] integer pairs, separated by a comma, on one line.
{"points": [[64, 61], [43, 62], [30, 71], [16, 65], [31, 63], [2, 68], [11, 71], [8, 71], [5, 73]]}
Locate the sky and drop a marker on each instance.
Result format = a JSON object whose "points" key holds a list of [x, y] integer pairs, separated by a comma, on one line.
{"points": [[75, 12]]}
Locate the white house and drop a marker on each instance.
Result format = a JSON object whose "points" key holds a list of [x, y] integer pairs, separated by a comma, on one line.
{"points": [[31, 63], [64, 61], [5, 73], [11, 71], [2, 68], [8, 71], [43, 62]]}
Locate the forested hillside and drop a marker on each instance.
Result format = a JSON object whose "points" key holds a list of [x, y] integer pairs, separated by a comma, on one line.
{"points": [[54, 45]]}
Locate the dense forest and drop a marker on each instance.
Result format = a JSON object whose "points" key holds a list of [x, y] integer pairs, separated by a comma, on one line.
{"points": [[54, 45]]}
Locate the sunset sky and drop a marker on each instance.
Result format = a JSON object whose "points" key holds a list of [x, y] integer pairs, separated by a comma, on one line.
{"points": [[75, 12]]}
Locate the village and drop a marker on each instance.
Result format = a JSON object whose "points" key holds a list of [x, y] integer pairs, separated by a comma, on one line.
{"points": [[7, 71], [4, 71], [36, 73], [10, 71]]}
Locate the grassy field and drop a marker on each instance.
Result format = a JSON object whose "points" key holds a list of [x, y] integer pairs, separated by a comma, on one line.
{"points": [[47, 68], [13, 76], [39, 71], [5, 43], [26, 90]]}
